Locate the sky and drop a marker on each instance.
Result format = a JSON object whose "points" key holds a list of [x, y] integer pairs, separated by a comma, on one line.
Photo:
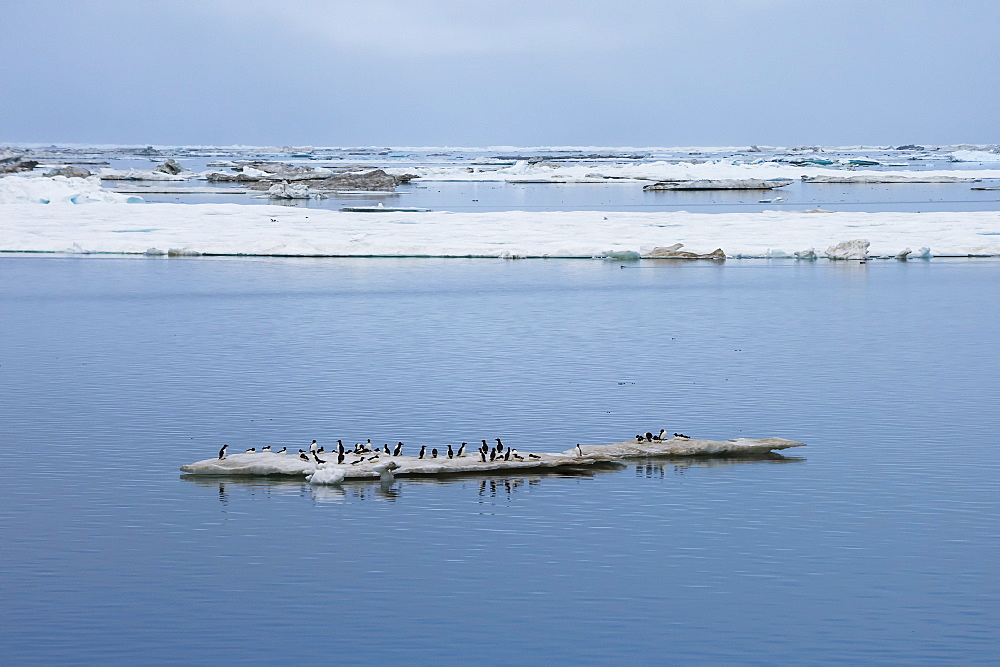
{"points": [[500, 73]]}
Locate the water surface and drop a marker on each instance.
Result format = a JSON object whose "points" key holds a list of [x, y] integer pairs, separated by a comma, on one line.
{"points": [[877, 542]]}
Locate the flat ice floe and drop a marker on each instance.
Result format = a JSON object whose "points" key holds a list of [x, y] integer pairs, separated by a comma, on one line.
{"points": [[267, 463], [239, 229]]}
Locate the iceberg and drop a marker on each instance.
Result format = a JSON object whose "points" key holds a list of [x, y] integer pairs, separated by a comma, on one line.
{"points": [[285, 190], [385, 467]]}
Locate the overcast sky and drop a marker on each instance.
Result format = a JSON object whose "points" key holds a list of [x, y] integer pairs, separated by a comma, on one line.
{"points": [[504, 72]]}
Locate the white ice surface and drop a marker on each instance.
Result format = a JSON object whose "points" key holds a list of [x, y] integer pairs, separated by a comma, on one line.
{"points": [[975, 156], [235, 229], [37, 189], [662, 171], [261, 463]]}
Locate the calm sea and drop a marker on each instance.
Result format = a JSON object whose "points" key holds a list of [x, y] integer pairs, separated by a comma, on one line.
{"points": [[876, 543]]}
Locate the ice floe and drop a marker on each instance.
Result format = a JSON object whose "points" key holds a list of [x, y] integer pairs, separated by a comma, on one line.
{"points": [[975, 156], [36, 189], [235, 229], [385, 466]]}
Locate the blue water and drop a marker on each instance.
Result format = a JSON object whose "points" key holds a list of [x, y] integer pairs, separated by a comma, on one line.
{"points": [[876, 543]]}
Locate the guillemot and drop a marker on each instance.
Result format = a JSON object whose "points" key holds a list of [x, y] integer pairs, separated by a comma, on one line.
{"points": [[282, 450], [266, 448], [303, 455], [434, 453], [312, 447], [398, 450], [451, 454], [423, 448], [222, 452], [252, 450], [461, 450]]}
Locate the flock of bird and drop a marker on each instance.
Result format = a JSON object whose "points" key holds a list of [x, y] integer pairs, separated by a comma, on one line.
{"points": [[368, 452]]}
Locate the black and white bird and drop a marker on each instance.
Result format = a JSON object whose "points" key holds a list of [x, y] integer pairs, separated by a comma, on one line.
{"points": [[434, 453], [662, 431], [482, 455], [340, 457], [534, 456], [649, 436], [303, 455], [354, 463], [499, 446], [451, 453], [423, 448], [579, 449], [485, 448], [385, 447], [516, 455], [312, 447], [266, 448], [493, 454], [506, 455], [222, 452], [252, 450], [681, 436], [318, 459], [398, 451], [461, 450], [282, 450], [340, 447]]}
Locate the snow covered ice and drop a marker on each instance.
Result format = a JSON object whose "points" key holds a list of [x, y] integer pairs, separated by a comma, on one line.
{"points": [[384, 467]]}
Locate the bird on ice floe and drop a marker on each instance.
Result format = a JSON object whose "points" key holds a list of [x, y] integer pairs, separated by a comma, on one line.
{"points": [[579, 449], [681, 436], [252, 450], [266, 448], [222, 452], [434, 453], [482, 454], [451, 452], [303, 456], [499, 446], [318, 459], [638, 438], [461, 450], [312, 447], [534, 456], [423, 448], [282, 450], [398, 450], [340, 457]]}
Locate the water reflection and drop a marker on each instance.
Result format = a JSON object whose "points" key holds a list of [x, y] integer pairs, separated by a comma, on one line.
{"points": [[491, 484]]}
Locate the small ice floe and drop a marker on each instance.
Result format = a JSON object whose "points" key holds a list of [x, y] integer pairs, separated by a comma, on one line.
{"points": [[722, 184], [805, 255], [888, 178], [327, 473], [975, 156], [774, 200], [286, 190], [675, 252], [856, 249], [382, 208]]}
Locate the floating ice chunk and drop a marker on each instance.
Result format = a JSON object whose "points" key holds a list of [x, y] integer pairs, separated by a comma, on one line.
{"points": [[275, 464], [182, 252], [35, 189], [286, 190], [328, 473], [856, 249], [621, 255], [807, 255], [889, 178], [923, 253], [154, 252], [776, 254], [903, 254], [975, 156]]}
